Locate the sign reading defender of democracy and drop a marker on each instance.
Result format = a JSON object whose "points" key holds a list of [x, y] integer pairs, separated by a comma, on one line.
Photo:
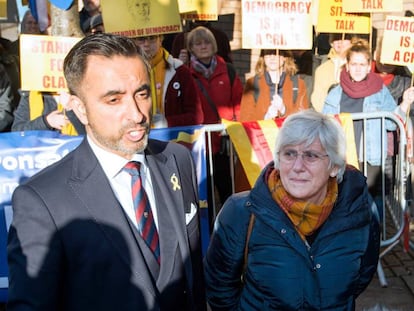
{"points": [[273, 24], [372, 5], [332, 18], [141, 18], [198, 10], [398, 41], [41, 60]]}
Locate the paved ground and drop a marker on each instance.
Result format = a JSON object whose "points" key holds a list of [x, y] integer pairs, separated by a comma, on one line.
{"points": [[398, 267]]}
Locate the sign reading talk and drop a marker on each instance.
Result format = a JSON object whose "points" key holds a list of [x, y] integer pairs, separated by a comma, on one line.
{"points": [[41, 62], [372, 5], [332, 18], [398, 41], [274, 24], [198, 9]]}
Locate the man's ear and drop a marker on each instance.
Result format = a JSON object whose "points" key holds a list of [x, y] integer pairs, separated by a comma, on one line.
{"points": [[79, 108]]}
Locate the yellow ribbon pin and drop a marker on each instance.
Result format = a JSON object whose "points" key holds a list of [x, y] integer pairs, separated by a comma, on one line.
{"points": [[174, 181]]}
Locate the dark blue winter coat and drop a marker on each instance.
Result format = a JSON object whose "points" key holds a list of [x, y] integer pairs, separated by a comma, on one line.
{"points": [[283, 272]]}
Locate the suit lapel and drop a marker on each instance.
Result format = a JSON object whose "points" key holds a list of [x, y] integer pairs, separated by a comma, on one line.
{"points": [[170, 203], [87, 180]]}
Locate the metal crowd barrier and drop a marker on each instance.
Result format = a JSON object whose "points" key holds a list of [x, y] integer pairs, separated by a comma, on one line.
{"points": [[393, 205]]}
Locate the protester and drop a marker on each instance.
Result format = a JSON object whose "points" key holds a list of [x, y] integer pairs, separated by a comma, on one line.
{"points": [[90, 8], [361, 90], [180, 50], [275, 90], [174, 94], [75, 242], [220, 90], [305, 237], [327, 74], [94, 25], [46, 111]]}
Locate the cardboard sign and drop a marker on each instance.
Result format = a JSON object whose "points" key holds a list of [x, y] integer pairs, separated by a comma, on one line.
{"points": [[3, 9], [274, 24], [372, 5], [398, 41], [140, 18], [41, 62], [332, 18], [198, 9]]}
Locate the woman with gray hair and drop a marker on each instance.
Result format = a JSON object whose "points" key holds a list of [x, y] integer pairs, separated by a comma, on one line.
{"points": [[305, 237]]}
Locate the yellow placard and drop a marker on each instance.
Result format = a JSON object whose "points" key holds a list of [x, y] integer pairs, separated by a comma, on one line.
{"points": [[332, 18], [3, 9], [398, 41], [41, 62], [274, 24], [198, 9], [139, 18], [372, 5]]}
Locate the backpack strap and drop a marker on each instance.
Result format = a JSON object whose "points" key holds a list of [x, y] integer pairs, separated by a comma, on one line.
{"points": [[246, 246], [231, 72]]}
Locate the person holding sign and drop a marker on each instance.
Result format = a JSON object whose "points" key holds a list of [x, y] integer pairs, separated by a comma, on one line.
{"points": [[276, 90], [114, 225], [305, 237], [46, 111], [174, 95], [327, 74], [362, 90]]}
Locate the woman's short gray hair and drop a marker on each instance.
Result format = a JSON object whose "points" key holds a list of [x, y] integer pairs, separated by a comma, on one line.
{"points": [[308, 125]]}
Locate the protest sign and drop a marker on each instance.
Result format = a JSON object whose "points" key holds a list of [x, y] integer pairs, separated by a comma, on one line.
{"points": [[398, 41], [277, 24], [41, 62], [198, 9], [370, 6], [140, 18], [333, 19]]}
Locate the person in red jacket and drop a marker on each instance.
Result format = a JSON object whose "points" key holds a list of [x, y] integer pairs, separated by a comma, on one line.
{"points": [[220, 91], [175, 99]]}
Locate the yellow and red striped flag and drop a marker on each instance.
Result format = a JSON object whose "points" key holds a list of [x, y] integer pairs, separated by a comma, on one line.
{"points": [[254, 142]]}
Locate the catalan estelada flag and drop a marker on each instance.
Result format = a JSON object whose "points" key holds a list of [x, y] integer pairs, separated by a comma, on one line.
{"points": [[254, 142]]}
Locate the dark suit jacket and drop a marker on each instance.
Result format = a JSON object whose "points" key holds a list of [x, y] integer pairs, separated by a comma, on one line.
{"points": [[72, 247]]}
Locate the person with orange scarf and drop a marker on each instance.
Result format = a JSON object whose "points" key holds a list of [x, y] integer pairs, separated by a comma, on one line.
{"points": [[306, 237], [174, 95]]}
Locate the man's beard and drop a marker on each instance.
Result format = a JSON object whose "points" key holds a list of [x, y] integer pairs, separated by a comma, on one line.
{"points": [[115, 143]]}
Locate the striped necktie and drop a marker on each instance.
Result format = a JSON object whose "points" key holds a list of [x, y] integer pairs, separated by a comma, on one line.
{"points": [[142, 208]]}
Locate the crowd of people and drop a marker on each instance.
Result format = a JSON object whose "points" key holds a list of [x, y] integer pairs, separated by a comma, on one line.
{"points": [[306, 237]]}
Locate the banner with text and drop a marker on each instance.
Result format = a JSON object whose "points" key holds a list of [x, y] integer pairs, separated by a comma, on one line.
{"points": [[271, 24], [140, 18], [332, 18], [22, 154], [41, 62]]}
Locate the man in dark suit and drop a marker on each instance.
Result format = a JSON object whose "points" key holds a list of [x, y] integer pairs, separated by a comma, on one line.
{"points": [[75, 243]]}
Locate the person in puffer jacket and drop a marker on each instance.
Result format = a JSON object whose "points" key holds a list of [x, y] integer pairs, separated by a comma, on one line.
{"points": [[314, 239]]}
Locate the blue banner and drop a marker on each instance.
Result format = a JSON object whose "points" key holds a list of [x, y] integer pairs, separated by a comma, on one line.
{"points": [[22, 154]]}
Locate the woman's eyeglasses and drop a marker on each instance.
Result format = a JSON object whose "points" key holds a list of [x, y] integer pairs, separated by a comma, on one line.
{"points": [[308, 157]]}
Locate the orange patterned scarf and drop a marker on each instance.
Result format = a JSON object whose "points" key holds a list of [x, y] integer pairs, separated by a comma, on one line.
{"points": [[305, 216]]}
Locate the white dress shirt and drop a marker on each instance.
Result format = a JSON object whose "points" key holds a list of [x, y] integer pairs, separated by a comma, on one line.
{"points": [[120, 180]]}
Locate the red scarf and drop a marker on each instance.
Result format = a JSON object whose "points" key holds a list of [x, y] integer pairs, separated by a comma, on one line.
{"points": [[370, 85]]}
